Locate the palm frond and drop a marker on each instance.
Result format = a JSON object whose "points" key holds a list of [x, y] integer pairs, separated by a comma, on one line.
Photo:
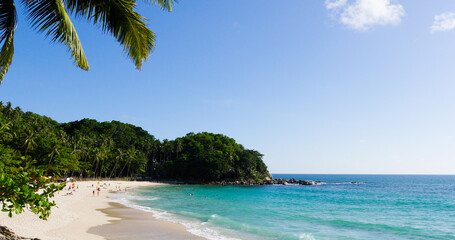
{"points": [[120, 19], [164, 4], [8, 19], [50, 16]]}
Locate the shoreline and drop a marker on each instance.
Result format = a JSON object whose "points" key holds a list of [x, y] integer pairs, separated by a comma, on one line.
{"points": [[136, 224], [79, 214]]}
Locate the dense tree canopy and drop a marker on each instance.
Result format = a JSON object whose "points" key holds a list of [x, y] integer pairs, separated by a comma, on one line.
{"points": [[20, 181], [209, 157], [92, 149]]}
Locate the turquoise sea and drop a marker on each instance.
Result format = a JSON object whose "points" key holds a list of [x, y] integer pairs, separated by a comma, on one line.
{"points": [[381, 207]]}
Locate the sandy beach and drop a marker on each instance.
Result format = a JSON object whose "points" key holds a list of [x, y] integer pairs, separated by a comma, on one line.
{"points": [[80, 215]]}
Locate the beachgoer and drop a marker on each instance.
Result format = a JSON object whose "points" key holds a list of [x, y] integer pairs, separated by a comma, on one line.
{"points": [[93, 192]]}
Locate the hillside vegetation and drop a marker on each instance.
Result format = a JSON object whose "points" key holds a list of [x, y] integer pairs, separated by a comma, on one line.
{"points": [[92, 149]]}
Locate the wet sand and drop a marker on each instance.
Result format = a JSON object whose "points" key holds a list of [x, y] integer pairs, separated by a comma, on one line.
{"points": [[139, 225], [81, 214]]}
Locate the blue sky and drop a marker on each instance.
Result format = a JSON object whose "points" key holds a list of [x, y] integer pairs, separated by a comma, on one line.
{"points": [[355, 86]]}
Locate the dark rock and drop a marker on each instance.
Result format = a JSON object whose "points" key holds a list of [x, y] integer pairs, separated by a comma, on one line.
{"points": [[7, 234], [310, 183], [306, 183]]}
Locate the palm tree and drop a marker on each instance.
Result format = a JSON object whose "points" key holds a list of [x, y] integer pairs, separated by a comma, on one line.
{"points": [[4, 134], [29, 143], [178, 147], [167, 149], [55, 152], [51, 17], [103, 155], [100, 155], [117, 158], [8, 109], [131, 153], [63, 137]]}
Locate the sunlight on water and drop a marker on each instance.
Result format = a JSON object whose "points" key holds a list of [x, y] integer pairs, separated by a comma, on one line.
{"points": [[384, 207]]}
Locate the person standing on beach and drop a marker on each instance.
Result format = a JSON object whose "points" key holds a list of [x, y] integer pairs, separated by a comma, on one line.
{"points": [[93, 192], [98, 193]]}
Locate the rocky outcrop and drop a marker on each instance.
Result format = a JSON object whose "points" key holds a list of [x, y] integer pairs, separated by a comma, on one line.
{"points": [[268, 181], [294, 181], [7, 234], [265, 181]]}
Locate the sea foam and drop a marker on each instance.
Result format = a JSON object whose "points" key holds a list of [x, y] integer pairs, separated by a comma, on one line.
{"points": [[195, 227]]}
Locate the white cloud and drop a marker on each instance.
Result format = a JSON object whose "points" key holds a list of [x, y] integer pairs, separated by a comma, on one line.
{"points": [[364, 14], [443, 22], [331, 4]]}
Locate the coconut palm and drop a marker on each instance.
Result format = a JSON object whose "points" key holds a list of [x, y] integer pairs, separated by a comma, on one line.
{"points": [[51, 17], [54, 152], [100, 155], [118, 157], [29, 143], [131, 153], [4, 131], [178, 146]]}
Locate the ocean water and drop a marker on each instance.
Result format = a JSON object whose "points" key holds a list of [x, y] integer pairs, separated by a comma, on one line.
{"points": [[381, 207]]}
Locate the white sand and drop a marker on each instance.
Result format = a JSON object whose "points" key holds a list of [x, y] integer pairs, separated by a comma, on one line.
{"points": [[73, 216]]}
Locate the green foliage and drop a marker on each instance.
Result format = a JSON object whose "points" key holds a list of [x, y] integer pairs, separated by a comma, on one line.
{"points": [[8, 21], [20, 183], [207, 157], [27, 190], [88, 148], [50, 16], [34, 146], [118, 17]]}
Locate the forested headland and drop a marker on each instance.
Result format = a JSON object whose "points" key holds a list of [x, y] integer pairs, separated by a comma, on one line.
{"points": [[91, 149]]}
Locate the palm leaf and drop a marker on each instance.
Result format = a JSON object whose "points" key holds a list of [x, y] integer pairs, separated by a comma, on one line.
{"points": [[51, 17], [120, 19], [8, 21], [164, 4]]}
